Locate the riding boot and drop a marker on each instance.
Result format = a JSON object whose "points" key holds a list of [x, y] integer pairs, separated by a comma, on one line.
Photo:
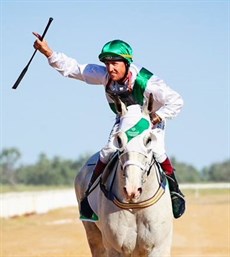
{"points": [[178, 201], [86, 212]]}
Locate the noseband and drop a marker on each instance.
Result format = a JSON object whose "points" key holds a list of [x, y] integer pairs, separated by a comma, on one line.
{"points": [[137, 159]]}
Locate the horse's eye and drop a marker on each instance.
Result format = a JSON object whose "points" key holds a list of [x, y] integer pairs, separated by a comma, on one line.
{"points": [[120, 140]]}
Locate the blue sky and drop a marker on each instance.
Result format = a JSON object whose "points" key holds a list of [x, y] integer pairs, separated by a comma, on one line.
{"points": [[186, 43]]}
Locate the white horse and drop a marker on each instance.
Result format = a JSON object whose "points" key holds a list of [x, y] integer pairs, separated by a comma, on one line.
{"points": [[130, 198]]}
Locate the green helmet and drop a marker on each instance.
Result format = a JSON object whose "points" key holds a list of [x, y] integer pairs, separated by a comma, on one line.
{"points": [[116, 50]]}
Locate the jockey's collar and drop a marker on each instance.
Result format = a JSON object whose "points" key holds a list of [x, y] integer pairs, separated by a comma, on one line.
{"points": [[127, 81]]}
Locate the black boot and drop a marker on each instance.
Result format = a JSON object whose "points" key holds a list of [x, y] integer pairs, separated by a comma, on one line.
{"points": [[178, 201], [86, 212]]}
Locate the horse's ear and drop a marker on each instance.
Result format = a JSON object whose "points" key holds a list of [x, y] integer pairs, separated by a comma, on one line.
{"points": [[148, 104], [120, 106]]}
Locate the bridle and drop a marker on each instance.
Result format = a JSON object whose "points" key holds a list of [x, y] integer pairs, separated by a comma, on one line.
{"points": [[143, 162], [147, 169]]}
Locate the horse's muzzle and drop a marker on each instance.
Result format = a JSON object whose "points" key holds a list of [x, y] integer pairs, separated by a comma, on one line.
{"points": [[132, 194]]}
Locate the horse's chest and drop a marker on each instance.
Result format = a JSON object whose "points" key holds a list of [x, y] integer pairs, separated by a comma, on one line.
{"points": [[128, 237]]}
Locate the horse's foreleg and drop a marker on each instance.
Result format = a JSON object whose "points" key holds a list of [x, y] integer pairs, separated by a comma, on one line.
{"points": [[163, 251], [113, 253], [94, 240]]}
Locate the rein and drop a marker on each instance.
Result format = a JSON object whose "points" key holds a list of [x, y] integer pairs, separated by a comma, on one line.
{"points": [[139, 205]]}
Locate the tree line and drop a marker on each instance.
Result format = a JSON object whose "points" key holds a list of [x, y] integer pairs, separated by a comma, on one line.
{"points": [[59, 171]]}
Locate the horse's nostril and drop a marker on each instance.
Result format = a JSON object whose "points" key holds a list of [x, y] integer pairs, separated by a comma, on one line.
{"points": [[132, 194], [140, 190]]}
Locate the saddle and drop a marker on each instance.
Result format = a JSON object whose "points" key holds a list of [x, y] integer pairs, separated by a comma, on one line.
{"points": [[86, 212]]}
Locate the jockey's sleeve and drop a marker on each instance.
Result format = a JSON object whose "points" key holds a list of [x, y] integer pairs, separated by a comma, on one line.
{"points": [[167, 102], [69, 67]]}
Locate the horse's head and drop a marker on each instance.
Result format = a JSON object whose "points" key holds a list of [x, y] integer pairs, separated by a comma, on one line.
{"points": [[134, 141]]}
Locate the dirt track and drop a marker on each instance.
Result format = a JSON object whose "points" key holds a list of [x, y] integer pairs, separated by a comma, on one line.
{"points": [[202, 232]]}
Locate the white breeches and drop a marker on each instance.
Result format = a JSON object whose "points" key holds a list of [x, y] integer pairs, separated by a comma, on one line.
{"points": [[158, 147]]}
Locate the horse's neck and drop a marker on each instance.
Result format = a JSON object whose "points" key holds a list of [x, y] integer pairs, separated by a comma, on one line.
{"points": [[151, 183]]}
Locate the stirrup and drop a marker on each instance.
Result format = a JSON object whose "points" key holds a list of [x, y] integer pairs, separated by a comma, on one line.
{"points": [[178, 194]]}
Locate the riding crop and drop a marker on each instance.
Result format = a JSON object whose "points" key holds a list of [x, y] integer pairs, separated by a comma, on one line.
{"points": [[28, 64]]}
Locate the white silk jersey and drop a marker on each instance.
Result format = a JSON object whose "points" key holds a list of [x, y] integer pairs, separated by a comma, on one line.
{"points": [[167, 102]]}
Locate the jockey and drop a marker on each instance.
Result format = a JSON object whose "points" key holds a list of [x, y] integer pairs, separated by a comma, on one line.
{"points": [[132, 84]]}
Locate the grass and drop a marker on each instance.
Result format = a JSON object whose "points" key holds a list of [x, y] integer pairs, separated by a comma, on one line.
{"points": [[29, 188]]}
